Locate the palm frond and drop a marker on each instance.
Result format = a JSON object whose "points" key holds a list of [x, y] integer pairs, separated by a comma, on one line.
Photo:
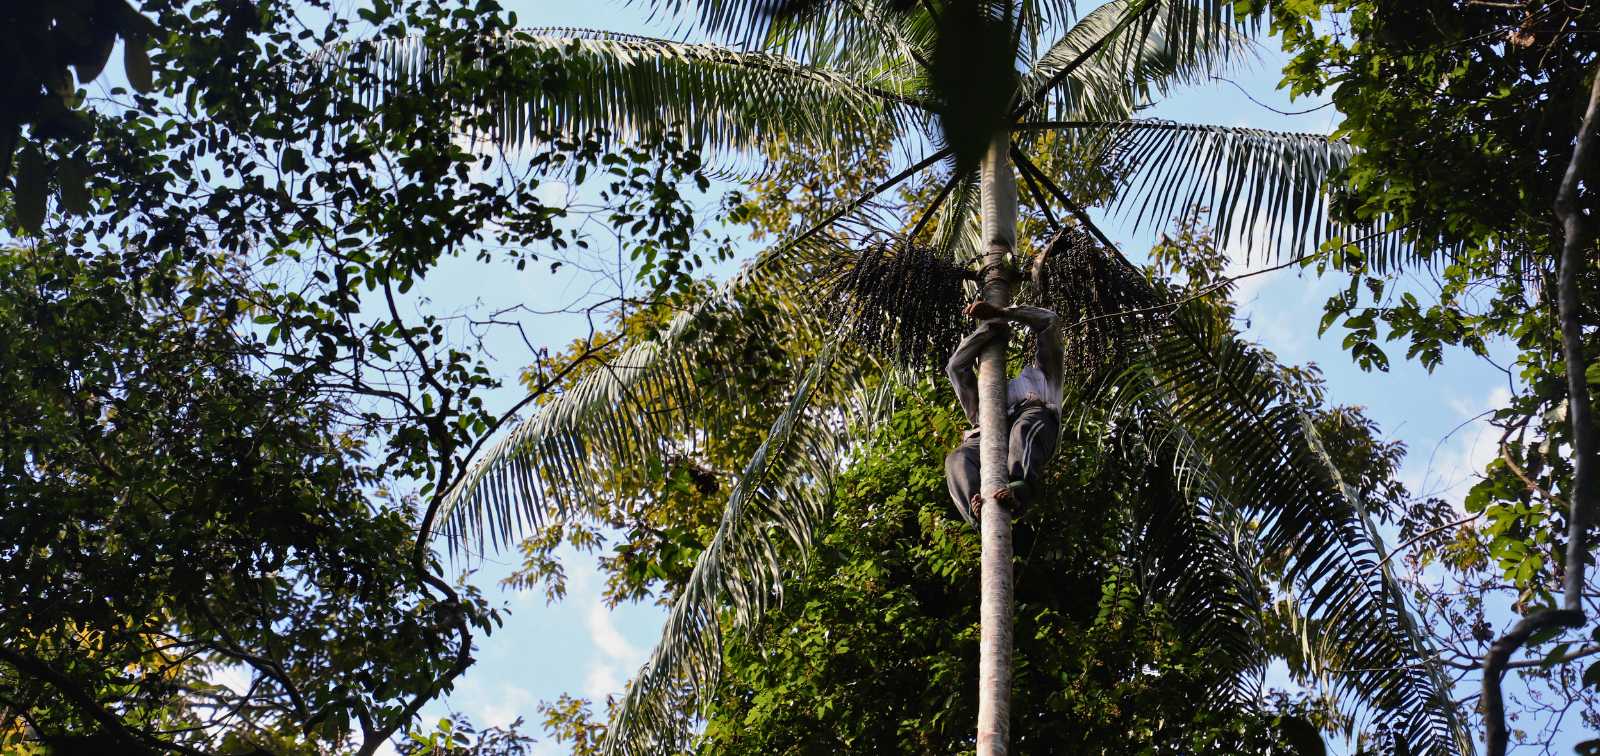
{"points": [[1122, 52], [638, 406], [878, 40], [783, 488], [1263, 188], [632, 87], [1198, 561], [957, 234], [1244, 443], [798, 27]]}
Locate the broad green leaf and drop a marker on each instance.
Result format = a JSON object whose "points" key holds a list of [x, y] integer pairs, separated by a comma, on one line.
{"points": [[72, 177], [29, 190]]}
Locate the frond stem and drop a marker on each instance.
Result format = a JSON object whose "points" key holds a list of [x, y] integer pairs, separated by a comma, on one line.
{"points": [[1037, 194], [927, 214], [866, 197], [1037, 95], [1157, 124], [1027, 166]]}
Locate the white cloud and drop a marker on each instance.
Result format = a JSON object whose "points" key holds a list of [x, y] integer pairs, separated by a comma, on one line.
{"points": [[613, 657], [601, 681], [606, 636], [618, 657], [1458, 460], [508, 703]]}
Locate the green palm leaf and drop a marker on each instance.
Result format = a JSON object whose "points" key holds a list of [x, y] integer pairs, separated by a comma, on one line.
{"points": [[768, 22], [1244, 442], [1124, 51], [1264, 188], [957, 234], [818, 78], [728, 101], [638, 406], [1198, 560], [783, 488]]}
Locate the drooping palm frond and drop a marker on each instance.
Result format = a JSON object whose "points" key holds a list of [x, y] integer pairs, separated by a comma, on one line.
{"points": [[873, 39], [728, 102], [1244, 443], [784, 487], [636, 407], [1124, 51], [957, 234], [1264, 188], [1199, 563]]}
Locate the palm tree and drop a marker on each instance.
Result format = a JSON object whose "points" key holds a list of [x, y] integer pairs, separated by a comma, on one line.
{"points": [[830, 79]]}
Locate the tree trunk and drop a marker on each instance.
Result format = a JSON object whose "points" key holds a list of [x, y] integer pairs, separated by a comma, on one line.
{"points": [[999, 200], [1578, 236]]}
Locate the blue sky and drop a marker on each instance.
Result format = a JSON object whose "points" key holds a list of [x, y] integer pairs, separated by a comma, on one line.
{"points": [[579, 647]]}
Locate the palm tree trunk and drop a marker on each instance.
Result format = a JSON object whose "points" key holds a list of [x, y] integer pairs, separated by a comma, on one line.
{"points": [[999, 199]]}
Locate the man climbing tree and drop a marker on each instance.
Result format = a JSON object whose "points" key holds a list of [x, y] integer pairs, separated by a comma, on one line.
{"points": [[1033, 406]]}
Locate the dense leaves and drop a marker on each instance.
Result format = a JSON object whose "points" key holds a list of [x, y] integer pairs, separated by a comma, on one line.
{"points": [[1466, 114], [233, 415], [1154, 508], [876, 646], [175, 519]]}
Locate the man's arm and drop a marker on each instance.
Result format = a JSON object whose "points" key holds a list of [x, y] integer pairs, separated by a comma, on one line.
{"points": [[1049, 353], [962, 376]]}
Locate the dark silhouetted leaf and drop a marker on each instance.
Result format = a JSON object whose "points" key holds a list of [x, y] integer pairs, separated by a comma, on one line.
{"points": [[1303, 737], [136, 60], [72, 176], [30, 190]]}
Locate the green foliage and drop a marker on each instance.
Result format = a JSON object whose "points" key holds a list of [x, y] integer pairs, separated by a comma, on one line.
{"points": [[47, 51], [1466, 114], [1162, 548], [1082, 83], [172, 514], [455, 736], [231, 418], [875, 648]]}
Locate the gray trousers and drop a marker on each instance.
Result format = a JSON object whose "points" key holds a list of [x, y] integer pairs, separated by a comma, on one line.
{"points": [[1034, 432]]}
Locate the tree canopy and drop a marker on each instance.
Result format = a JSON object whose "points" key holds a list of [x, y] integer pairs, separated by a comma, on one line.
{"points": [[230, 418]]}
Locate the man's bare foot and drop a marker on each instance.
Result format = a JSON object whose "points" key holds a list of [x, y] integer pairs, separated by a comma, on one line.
{"points": [[982, 310], [1005, 497]]}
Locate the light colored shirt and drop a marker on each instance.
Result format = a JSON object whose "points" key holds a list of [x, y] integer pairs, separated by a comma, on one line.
{"points": [[1039, 380], [1031, 385]]}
